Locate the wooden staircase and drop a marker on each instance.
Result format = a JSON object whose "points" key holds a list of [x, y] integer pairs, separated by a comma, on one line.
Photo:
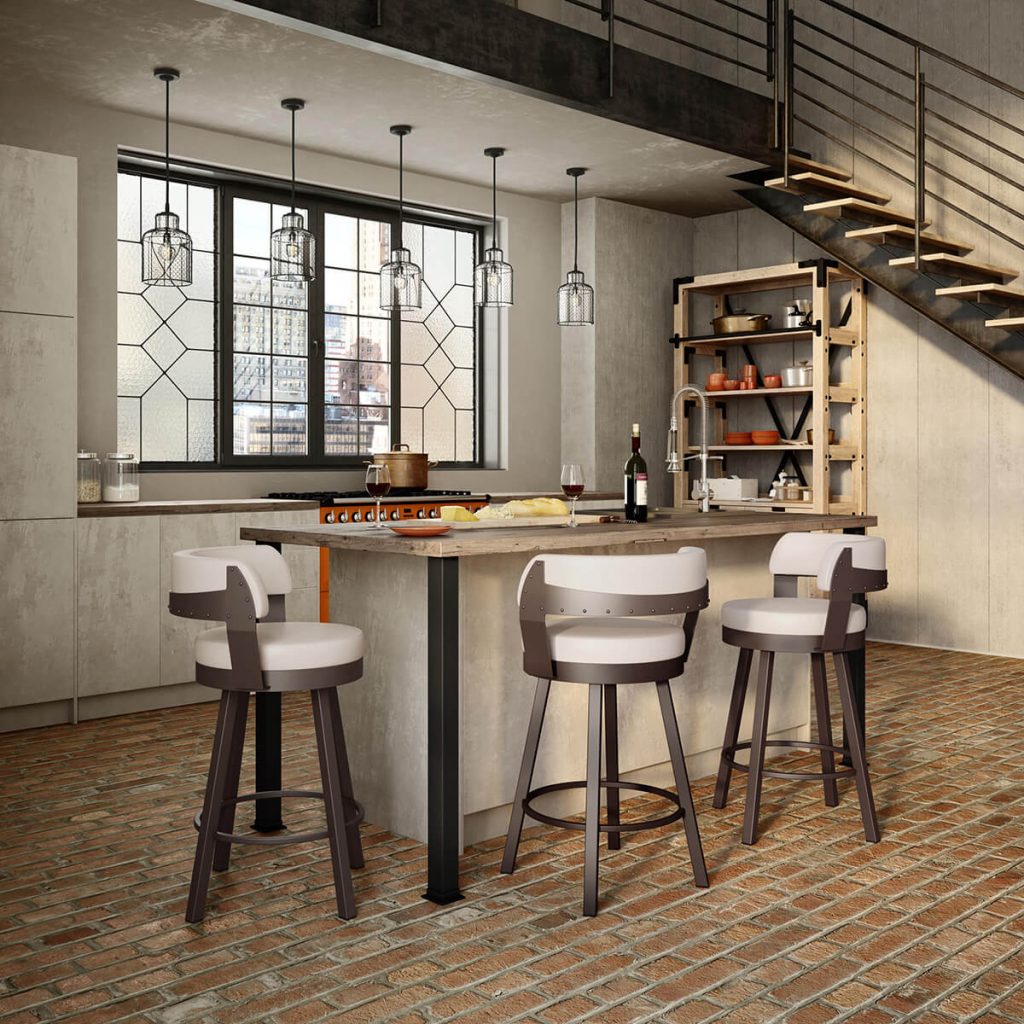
{"points": [[860, 228]]}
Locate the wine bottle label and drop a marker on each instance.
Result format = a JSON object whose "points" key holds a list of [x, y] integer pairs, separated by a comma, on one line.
{"points": [[641, 488]]}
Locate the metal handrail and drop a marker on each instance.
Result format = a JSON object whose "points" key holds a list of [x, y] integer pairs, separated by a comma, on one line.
{"points": [[922, 87]]}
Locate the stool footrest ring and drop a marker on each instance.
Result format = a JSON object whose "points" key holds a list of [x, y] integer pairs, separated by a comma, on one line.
{"points": [[353, 815], [627, 826], [728, 755]]}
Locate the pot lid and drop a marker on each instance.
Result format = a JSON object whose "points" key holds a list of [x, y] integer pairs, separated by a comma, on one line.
{"points": [[87, 455]]}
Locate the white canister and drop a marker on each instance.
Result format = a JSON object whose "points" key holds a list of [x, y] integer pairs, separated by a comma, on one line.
{"points": [[120, 477]]}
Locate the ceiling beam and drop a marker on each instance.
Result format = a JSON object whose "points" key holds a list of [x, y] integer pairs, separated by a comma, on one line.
{"points": [[490, 41]]}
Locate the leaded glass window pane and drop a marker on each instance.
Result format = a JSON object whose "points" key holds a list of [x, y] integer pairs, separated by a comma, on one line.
{"points": [[165, 336], [439, 347]]}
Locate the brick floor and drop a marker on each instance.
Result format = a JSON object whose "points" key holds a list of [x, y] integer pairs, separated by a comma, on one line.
{"points": [[811, 925]]}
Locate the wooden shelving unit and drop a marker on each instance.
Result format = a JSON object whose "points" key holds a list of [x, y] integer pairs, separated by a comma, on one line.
{"points": [[816, 279]]}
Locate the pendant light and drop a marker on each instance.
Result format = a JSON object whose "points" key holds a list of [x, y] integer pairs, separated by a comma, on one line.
{"points": [[492, 277], [575, 297], [166, 249], [292, 247], [401, 280]]}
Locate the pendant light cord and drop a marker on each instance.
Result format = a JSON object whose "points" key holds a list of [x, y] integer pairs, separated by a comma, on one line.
{"points": [[401, 191], [494, 202], [293, 159], [576, 222], [167, 145]]}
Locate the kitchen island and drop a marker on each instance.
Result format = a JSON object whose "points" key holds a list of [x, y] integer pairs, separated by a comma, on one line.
{"points": [[436, 725]]}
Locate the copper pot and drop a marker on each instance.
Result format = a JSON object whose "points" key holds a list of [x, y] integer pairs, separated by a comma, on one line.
{"points": [[408, 469], [741, 323]]}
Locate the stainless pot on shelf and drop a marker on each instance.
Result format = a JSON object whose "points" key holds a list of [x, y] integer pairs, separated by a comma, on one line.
{"points": [[408, 469], [799, 376]]}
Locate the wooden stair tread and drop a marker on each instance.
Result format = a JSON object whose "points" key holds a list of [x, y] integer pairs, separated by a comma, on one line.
{"points": [[903, 235], [813, 182], [987, 291], [859, 209], [1006, 322], [957, 266], [805, 163]]}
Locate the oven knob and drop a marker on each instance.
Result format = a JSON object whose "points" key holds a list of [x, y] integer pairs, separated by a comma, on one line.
{"points": [[328, 517], [395, 515], [342, 517], [421, 513], [357, 517], [434, 513]]}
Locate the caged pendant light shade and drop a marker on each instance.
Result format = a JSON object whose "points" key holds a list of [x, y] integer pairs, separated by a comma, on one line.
{"points": [[292, 247], [166, 249], [575, 297], [492, 277], [401, 280]]}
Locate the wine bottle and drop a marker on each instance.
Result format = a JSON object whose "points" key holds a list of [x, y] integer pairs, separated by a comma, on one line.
{"points": [[636, 482]]}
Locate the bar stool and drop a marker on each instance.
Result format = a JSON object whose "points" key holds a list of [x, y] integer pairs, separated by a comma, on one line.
{"points": [[843, 566], [600, 644], [244, 587]]}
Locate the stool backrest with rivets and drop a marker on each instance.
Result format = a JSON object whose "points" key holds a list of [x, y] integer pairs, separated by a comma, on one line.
{"points": [[841, 566], [605, 586], [239, 585]]}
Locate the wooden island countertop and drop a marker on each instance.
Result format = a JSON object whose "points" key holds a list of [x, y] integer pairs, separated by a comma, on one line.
{"points": [[681, 525]]}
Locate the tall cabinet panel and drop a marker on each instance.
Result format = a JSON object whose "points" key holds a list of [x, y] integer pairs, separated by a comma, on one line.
{"points": [[38, 425]]}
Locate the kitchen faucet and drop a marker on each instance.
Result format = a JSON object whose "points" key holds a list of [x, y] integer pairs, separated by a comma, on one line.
{"points": [[673, 463]]}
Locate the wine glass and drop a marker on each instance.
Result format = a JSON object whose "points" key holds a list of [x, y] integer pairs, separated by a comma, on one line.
{"points": [[378, 484], [572, 487]]}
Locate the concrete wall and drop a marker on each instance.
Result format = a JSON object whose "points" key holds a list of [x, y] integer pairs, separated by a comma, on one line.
{"points": [[945, 461], [529, 360], [619, 371]]}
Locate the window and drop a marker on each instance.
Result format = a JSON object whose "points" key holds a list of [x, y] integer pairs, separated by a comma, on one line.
{"points": [[310, 375]]}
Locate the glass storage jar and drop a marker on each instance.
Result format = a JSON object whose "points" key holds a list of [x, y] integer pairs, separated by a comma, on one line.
{"points": [[121, 477], [88, 477]]}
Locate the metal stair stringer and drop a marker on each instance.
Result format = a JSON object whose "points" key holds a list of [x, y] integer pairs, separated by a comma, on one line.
{"points": [[917, 289]]}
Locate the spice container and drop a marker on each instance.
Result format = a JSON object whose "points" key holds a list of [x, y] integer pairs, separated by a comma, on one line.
{"points": [[121, 477], [88, 477]]}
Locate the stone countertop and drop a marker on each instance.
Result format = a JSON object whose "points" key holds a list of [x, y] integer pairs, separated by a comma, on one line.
{"points": [[193, 507], [680, 525]]}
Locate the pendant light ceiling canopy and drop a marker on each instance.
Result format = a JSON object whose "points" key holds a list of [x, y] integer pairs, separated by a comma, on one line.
{"points": [[575, 297], [166, 249], [401, 280], [492, 277], [292, 247]]}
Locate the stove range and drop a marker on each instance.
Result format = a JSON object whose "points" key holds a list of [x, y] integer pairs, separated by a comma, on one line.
{"points": [[396, 494]]}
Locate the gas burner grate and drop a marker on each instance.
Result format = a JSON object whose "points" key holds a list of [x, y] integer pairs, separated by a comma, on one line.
{"points": [[328, 497]]}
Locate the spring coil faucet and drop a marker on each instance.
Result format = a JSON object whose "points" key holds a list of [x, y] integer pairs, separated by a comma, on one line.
{"points": [[672, 461]]}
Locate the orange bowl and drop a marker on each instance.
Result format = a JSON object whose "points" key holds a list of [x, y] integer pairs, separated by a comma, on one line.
{"points": [[732, 385], [765, 436]]}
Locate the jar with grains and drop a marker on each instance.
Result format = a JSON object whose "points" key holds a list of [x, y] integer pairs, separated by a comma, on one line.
{"points": [[121, 477], [88, 477]]}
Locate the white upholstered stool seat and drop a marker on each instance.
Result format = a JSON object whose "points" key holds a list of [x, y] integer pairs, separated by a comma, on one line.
{"points": [[786, 616], [615, 641], [287, 646]]}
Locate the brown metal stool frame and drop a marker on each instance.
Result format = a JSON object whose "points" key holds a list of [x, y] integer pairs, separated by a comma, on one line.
{"points": [[843, 580], [236, 606], [538, 599]]}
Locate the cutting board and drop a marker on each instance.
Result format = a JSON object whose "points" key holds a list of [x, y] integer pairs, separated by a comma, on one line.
{"points": [[490, 524]]}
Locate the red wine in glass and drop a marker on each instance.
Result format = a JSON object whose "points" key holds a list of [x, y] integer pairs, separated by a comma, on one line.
{"points": [[572, 486], [378, 490], [572, 490], [378, 483]]}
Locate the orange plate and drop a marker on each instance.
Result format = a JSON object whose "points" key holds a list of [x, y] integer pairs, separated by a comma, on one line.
{"points": [[426, 530]]}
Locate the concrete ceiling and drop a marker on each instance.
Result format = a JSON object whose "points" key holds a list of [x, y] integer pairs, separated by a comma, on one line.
{"points": [[236, 68]]}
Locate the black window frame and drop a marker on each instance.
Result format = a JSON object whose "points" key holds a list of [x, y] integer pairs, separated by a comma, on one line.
{"points": [[319, 202]]}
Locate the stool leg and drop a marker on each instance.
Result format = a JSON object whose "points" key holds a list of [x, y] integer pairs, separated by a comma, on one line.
{"points": [[330, 773], [855, 738], [355, 846], [216, 787], [515, 825], [222, 851], [611, 762], [675, 751], [732, 726], [828, 762], [591, 830], [764, 692]]}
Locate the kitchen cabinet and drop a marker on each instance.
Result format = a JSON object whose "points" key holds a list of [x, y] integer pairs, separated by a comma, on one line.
{"points": [[37, 612], [834, 343]]}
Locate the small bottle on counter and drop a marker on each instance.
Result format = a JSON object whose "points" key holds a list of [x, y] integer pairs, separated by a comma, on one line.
{"points": [[121, 477], [88, 477], [636, 482]]}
